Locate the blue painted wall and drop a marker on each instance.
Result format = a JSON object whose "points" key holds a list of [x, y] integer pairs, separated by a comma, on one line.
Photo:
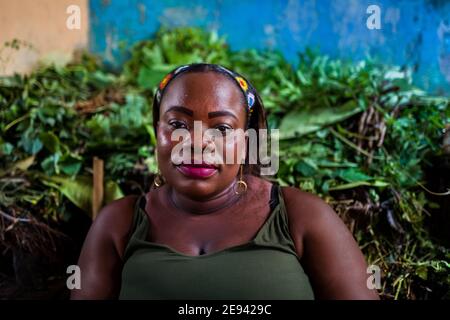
{"points": [[414, 33]]}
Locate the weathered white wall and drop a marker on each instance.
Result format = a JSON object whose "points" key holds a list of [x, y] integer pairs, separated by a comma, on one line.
{"points": [[43, 24]]}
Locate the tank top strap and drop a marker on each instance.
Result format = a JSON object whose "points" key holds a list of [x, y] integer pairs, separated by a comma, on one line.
{"points": [[138, 229], [275, 231]]}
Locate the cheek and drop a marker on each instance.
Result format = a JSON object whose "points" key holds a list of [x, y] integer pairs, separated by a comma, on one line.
{"points": [[172, 141], [164, 143], [164, 135]]}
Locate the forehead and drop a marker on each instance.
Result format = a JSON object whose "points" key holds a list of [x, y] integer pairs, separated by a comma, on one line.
{"points": [[204, 92]]}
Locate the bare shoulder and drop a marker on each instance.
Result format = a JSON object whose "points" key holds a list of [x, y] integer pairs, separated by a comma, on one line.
{"points": [[312, 217], [306, 210], [327, 248], [114, 221], [102, 252]]}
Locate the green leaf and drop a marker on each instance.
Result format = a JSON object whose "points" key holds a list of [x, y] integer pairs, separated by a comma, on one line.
{"points": [[331, 164], [112, 192], [79, 190], [6, 148], [422, 272], [149, 77], [31, 145], [24, 164], [300, 122], [70, 165], [50, 141], [355, 184], [306, 167], [352, 175]]}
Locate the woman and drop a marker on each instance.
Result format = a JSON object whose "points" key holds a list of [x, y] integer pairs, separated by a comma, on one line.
{"points": [[214, 230]]}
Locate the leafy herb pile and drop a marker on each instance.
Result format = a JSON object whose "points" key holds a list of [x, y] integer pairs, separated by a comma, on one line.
{"points": [[359, 135]]}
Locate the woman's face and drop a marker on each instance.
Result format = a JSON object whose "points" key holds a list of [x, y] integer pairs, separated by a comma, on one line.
{"points": [[214, 100]]}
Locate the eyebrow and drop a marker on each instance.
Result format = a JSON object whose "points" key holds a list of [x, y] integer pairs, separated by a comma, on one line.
{"points": [[190, 113], [181, 109], [220, 114]]}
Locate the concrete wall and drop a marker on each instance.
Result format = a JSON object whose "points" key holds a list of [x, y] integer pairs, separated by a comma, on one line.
{"points": [[413, 32], [42, 23]]}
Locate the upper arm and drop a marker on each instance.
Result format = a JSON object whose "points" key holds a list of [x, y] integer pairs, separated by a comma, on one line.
{"points": [[100, 260], [330, 255]]}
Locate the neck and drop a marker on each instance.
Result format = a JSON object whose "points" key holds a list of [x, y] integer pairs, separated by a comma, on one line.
{"points": [[222, 200]]}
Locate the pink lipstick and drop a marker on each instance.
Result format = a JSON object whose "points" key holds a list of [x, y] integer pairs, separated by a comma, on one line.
{"points": [[197, 171]]}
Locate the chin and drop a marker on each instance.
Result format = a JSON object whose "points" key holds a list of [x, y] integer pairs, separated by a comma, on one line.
{"points": [[195, 188]]}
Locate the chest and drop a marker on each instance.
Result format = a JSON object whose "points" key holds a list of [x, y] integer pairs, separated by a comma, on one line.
{"points": [[198, 235], [236, 274]]}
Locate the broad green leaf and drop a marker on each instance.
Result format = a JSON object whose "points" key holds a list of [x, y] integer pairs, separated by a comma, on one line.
{"points": [[306, 167], [70, 166], [79, 190], [112, 192], [31, 145], [149, 77], [352, 175], [300, 122], [50, 141]]}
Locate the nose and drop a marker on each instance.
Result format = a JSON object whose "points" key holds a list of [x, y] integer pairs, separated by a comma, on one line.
{"points": [[199, 140]]}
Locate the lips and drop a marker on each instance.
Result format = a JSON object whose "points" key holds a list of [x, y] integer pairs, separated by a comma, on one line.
{"points": [[198, 171]]}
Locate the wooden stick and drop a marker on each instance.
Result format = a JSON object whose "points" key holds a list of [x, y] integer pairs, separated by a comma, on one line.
{"points": [[97, 191]]}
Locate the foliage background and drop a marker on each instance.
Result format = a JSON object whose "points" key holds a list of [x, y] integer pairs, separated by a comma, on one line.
{"points": [[359, 135]]}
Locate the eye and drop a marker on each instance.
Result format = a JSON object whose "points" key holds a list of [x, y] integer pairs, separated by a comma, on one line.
{"points": [[223, 128], [176, 124]]}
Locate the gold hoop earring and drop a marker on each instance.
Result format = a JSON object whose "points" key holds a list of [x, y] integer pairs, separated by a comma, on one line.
{"points": [[241, 185], [158, 179]]}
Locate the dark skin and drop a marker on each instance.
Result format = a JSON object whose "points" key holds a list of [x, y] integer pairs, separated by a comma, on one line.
{"points": [[202, 216]]}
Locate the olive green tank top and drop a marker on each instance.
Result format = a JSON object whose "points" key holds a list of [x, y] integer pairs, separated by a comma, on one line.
{"points": [[267, 267]]}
